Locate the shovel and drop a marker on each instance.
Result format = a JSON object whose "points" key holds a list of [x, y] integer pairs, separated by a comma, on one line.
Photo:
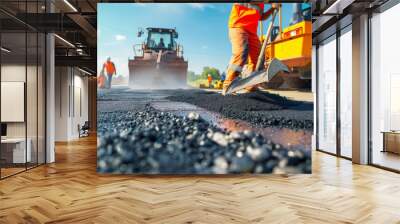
{"points": [[257, 77]]}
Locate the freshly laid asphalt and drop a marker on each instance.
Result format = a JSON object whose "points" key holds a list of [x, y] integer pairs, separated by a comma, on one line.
{"points": [[135, 137], [259, 108]]}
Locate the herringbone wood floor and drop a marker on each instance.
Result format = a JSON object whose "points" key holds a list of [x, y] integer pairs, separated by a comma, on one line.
{"points": [[70, 191]]}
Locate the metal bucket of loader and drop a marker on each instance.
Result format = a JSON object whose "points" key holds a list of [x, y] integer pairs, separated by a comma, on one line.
{"points": [[274, 70], [166, 75]]}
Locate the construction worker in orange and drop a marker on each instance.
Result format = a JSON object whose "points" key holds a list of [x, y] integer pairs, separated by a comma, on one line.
{"points": [[243, 26], [101, 80], [110, 69], [209, 79]]}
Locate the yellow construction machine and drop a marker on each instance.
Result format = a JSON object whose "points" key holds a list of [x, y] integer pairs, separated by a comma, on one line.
{"points": [[292, 46], [285, 56], [158, 62]]}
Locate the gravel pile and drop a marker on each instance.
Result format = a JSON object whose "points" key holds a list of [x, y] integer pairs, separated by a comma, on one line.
{"points": [[156, 142], [259, 108]]}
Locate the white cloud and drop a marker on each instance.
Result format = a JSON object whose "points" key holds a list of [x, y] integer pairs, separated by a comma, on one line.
{"points": [[141, 4], [200, 6], [120, 37]]}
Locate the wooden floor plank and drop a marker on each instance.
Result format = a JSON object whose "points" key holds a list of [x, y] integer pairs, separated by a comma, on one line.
{"points": [[70, 191]]}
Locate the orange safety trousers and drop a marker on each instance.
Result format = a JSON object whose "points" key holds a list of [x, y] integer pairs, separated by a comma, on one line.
{"points": [[245, 50]]}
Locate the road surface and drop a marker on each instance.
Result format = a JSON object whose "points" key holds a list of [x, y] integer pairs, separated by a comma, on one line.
{"points": [[195, 131]]}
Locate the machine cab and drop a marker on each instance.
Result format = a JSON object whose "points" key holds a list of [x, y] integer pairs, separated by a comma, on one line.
{"points": [[161, 39]]}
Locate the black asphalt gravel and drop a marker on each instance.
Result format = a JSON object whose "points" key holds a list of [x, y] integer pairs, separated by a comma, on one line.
{"points": [[148, 141], [259, 108]]}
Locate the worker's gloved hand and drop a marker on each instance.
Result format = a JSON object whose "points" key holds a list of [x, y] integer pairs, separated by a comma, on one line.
{"points": [[275, 5]]}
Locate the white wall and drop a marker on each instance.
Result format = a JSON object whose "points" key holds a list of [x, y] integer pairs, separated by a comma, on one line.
{"points": [[70, 83], [33, 126], [81, 108], [14, 72], [13, 101], [62, 81], [11, 73]]}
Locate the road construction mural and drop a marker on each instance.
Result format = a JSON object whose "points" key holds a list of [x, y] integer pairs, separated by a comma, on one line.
{"points": [[200, 88]]}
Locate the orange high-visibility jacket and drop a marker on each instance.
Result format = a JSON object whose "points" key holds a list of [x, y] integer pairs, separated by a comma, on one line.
{"points": [[246, 16], [110, 67]]}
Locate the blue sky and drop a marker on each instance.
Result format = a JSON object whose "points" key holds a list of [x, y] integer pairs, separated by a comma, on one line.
{"points": [[202, 28]]}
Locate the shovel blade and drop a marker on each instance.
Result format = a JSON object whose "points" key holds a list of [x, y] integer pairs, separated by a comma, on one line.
{"points": [[273, 69]]}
